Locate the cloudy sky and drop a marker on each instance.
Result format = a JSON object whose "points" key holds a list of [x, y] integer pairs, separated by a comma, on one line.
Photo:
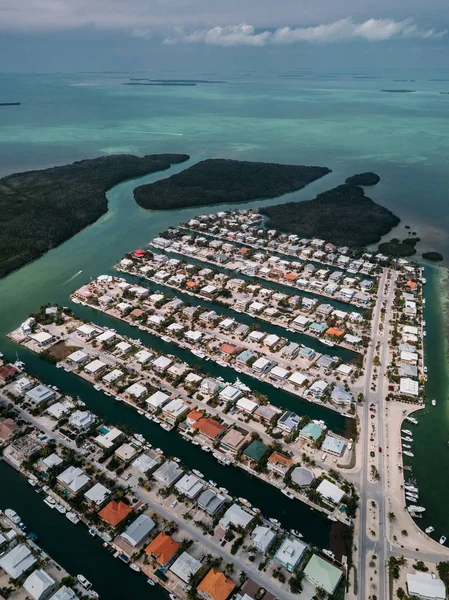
{"points": [[135, 34]]}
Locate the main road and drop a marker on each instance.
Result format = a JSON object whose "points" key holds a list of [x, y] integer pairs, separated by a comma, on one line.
{"points": [[375, 490]]}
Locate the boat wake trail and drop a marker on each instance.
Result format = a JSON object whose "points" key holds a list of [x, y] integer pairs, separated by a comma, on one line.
{"points": [[71, 278]]}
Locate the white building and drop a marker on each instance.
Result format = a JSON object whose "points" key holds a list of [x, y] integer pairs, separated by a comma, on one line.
{"points": [[17, 561], [425, 586], [82, 419], [39, 585]]}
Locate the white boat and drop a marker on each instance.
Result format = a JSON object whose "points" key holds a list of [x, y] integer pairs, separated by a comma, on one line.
{"points": [[411, 488], [442, 540], [60, 508], [243, 501], [159, 451], [425, 369], [140, 411], [32, 481], [328, 343], [212, 483], [329, 553], [406, 446], [406, 438], [197, 473], [412, 420], [410, 499], [173, 597], [274, 521], [139, 438], [434, 402], [418, 509], [241, 386], [73, 517], [224, 490], [198, 353], [429, 530], [205, 448], [295, 533], [97, 387], [195, 443], [84, 582], [151, 582], [49, 501], [134, 567], [408, 453], [12, 515], [288, 494], [407, 432]]}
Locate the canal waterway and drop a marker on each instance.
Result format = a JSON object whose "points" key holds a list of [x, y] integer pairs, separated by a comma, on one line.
{"points": [[71, 545]]}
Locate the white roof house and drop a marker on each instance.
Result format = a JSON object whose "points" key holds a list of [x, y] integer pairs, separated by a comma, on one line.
{"points": [[123, 346], [230, 394], [246, 405], [158, 399], [87, 331], [95, 366], [144, 463], [40, 393], [279, 373], [106, 336], [297, 378], [426, 586], [138, 530], [108, 439], [78, 357], [39, 585], [113, 376], [64, 593], [53, 460], [17, 561], [143, 356], [409, 387], [58, 409], [97, 494], [189, 486], [330, 491], [42, 338], [81, 419], [161, 363], [137, 390], [185, 566], [74, 479], [262, 538], [236, 516]]}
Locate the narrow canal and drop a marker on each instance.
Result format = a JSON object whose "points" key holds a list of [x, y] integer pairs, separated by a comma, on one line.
{"points": [[293, 515], [71, 545]]}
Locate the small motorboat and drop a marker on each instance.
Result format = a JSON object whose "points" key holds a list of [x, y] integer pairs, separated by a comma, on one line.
{"points": [[150, 581], [84, 582], [12, 515], [442, 540], [134, 567], [49, 501], [429, 530], [434, 402]]}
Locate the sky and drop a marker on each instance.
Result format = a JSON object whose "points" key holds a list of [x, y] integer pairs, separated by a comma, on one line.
{"points": [[198, 35]]}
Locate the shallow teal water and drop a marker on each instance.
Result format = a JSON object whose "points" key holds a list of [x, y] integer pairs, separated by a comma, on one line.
{"points": [[346, 124]]}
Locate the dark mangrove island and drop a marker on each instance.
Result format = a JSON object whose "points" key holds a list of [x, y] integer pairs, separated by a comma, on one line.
{"points": [[434, 256], [342, 215], [367, 178], [218, 181], [399, 249], [399, 91], [42, 209]]}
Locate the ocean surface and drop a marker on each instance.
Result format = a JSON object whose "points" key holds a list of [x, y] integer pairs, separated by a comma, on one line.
{"points": [[342, 121]]}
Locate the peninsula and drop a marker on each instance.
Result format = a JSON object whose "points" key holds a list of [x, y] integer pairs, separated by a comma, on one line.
{"points": [[342, 215], [217, 181], [42, 209]]}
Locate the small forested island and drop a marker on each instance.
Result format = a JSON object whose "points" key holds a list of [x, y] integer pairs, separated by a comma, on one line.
{"points": [[367, 178], [342, 215], [399, 91], [434, 256], [398, 249], [218, 181], [42, 209]]}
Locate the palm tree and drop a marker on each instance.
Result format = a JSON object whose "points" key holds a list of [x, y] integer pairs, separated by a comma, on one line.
{"points": [[392, 517]]}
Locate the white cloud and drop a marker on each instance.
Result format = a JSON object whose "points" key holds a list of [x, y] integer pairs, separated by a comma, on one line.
{"points": [[338, 31]]}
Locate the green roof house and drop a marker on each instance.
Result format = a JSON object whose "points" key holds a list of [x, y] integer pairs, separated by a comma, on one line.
{"points": [[311, 431], [256, 450], [322, 574]]}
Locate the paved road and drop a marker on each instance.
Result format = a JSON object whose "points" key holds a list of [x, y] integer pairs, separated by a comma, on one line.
{"points": [[368, 489], [206, 542]]}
